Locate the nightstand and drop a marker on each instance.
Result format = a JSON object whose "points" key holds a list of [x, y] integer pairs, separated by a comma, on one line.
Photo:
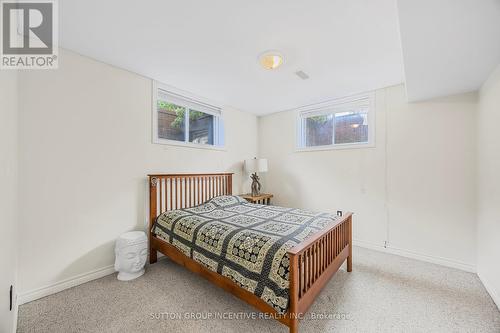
{"points": [[263, 198]]}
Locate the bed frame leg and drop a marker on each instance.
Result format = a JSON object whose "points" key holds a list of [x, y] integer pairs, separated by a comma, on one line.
{"points": [[153, 255], [349, 258], [294, 293], [294, 326], [153, 211]]}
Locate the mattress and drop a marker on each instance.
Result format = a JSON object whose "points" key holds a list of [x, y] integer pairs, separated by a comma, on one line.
{"points": [[244, 242]]}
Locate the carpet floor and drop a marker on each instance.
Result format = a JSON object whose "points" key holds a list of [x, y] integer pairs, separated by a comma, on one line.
{"points": [[384, 293]]}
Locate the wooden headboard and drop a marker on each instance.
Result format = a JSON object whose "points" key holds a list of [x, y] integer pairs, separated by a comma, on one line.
{"points": [[176, 191]]}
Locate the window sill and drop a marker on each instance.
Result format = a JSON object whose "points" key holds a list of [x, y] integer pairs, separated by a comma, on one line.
{"points": [[335, 147], [182, 144]]}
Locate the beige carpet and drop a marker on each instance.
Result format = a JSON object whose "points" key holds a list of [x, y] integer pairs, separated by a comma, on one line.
{"points": [[384, 293]]}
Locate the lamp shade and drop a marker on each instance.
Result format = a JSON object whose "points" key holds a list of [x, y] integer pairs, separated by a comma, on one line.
{"points": [[256, 165]]}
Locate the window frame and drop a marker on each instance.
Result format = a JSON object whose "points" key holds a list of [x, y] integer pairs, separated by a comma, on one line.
{"points": [[328, 108], [177, 98]]}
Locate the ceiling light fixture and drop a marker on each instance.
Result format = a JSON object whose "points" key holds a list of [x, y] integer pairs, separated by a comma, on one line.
{"points": [[271, 60]]}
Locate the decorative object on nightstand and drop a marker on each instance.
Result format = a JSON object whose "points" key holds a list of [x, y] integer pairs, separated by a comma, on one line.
{"points": [[253, 166], [263, 198], [131, 252]]}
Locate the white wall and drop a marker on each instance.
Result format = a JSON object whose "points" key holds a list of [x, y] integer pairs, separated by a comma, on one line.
{"points": [[348, 179], [85, 150], [431, 176], [8, 195], [488, 253], [416, 188]]}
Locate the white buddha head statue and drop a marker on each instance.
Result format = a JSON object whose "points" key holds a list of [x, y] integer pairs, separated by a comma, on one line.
{"points": [[131, 252]]}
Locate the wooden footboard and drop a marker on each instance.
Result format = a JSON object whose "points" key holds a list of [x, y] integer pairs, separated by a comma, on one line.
{"points": [[312, 262]]}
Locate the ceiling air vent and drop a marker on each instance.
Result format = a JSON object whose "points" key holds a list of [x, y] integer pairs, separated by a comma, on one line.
{"points": [[302, 75]]}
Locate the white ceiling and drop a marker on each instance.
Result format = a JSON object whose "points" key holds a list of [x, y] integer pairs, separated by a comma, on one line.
{"points": [[211, 48], [449, 46]]}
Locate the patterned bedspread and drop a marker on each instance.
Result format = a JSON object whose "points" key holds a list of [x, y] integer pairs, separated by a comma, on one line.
{"points": [[245, 242]]}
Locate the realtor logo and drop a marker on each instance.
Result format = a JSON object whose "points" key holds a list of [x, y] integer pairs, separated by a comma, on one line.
{"points": [[29, 34]]}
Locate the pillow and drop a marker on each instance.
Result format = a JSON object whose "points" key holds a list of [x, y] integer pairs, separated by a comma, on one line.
{"points": [[226, 200]]}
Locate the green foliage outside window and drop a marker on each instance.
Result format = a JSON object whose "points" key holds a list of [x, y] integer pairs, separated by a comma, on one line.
{"points": [[179, 112], [319, 119]]}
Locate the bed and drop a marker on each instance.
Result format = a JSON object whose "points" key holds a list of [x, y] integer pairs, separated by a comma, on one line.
{"points": [[277, 259]]}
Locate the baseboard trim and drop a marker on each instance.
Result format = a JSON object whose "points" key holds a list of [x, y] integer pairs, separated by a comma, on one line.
{"points": [[35, 294], [418, 256], [29, 296], [495, 294], [16, 311]]}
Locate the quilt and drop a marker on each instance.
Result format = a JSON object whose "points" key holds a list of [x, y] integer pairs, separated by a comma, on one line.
{"points": [[244, 242]]}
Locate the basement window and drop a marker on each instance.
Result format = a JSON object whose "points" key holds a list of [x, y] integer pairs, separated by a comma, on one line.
{"points": [[179, 119], [338, 124]]}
